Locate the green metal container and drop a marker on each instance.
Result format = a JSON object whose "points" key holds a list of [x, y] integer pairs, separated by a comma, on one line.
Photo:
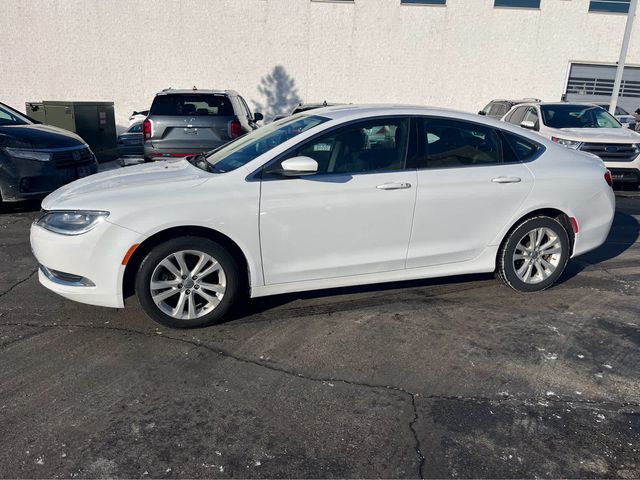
{"points": [[93, 121]]}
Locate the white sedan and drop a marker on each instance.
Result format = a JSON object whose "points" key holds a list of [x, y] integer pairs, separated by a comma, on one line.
{"points": [[334, 197]]}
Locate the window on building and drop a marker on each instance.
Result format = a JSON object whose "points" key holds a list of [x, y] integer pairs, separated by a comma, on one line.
{"points": [[424, 2], [612, 6], [517, 3]]}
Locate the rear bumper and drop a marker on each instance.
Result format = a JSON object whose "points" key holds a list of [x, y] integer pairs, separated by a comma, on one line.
{"points": [[130, 150], [160, 153], [595, 218], [22, 179]]}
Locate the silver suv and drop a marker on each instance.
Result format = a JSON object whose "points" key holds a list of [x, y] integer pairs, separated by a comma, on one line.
{"points": [[189, 122]]}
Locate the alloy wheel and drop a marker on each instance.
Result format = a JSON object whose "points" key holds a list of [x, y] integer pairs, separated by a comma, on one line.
{"points": [[537, 255], [188, 284]]}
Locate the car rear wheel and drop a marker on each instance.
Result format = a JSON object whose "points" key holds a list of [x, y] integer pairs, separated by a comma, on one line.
{"points": [[188, 282], [534, 255]]}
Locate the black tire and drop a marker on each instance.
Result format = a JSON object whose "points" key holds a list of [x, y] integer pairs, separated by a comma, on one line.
{"points": [[505, 266], [232, 273]]}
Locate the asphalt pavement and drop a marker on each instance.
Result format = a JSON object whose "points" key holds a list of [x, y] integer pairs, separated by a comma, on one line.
{"points": [[459, 377]]}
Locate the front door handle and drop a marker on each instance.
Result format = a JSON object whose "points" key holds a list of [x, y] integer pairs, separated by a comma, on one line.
{"points": [[394, 186], [506, 180]]}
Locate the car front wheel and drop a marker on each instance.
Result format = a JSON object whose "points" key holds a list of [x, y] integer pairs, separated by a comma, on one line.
{"points": [[188, 282], [534, 255]]}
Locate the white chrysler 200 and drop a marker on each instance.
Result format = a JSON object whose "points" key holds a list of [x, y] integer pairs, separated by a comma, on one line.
{"points": [[328, 198]]}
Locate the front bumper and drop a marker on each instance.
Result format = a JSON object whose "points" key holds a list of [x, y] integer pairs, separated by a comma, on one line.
{"points": [[23, 179], [96, 256]]}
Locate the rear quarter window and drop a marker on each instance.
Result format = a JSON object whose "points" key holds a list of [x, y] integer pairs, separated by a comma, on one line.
{"points": [[191, 105], [517, 148]]}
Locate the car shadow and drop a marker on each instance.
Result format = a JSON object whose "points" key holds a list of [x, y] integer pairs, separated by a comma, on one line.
{"points": [[255, 306], [624, 233]]}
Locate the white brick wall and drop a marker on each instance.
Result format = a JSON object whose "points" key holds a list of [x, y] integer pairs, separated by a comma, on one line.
{"points": [[459, 56]]}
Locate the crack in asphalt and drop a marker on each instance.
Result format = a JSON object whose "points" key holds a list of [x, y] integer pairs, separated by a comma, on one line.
{"points": [[19, 282], [415, 436], [226, 354], [412, 395]]}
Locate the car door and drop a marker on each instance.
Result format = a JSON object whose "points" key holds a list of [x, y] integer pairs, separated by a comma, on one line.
{"points": [[470, 185], [352, 217]]}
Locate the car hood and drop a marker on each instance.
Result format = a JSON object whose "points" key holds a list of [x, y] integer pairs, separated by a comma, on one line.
{"points": [[128, 184], [37, 136], [599, 135]]}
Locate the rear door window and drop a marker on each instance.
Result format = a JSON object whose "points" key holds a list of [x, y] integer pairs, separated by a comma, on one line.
{"points": [[517, 148], [455, 143], [192, 105], [517, 116], [498, 110], [450, 143]]}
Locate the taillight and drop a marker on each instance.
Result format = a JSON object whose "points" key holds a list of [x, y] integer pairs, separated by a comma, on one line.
{"points": [[235, 129], [608, 179], [574, 225], [146, 129]]}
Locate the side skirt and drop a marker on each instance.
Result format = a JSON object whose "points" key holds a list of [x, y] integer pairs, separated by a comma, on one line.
{"points": [[484, 263]]}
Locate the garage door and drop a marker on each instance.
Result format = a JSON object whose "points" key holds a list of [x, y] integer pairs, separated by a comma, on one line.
{"points": [[594, 83]]}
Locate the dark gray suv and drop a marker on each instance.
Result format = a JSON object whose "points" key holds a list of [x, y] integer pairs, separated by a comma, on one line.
{"points": [[189, 122]]}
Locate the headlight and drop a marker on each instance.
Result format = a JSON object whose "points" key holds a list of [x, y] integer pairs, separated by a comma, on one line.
{"points": [[573, 144], [38, 155], [73, 222]]}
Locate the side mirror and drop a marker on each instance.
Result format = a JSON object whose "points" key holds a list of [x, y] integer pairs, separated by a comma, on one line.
{"points": [[481, 112], [257, 116], [528, 124], [299, 166]]}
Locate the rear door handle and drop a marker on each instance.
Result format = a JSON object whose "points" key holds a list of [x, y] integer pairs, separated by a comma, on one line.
{"points": [[506, 180], [394, 186]]}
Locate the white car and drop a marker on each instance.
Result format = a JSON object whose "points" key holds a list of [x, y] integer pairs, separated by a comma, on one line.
{"points": [[136, 116], [625, 118], [586, 127], [309, 202]]}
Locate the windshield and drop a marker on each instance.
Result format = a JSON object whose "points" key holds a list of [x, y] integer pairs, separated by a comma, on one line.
{"points": [[577, 116], [192, 104], [243, 150], [8, 116]]}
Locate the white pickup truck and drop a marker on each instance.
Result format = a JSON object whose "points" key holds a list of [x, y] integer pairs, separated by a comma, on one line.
{"points": [[586, 127]]}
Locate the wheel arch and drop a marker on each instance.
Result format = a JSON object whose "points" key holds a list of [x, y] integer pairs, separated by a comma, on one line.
{"points": [[563, 218], [133, 264]]}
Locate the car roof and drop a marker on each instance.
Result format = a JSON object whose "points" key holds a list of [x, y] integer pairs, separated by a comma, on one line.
{"points": [[311, 105], [355, 112], [185, 91], [519, 100]]}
